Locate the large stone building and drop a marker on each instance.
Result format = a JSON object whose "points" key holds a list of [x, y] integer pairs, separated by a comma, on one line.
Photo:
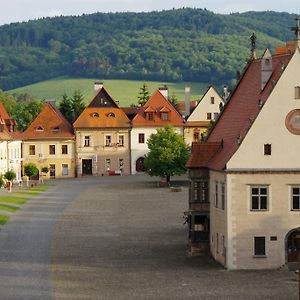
{"points": [[245, 178], [102, 137], [49, 141]]}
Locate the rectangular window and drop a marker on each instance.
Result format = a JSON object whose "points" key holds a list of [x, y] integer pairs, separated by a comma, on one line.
{"points": [[121, 164], [223, 195], [216, 116], [196, 136], [141, 138], [200, 191], [121, 140], [52, 149], [259, 245], [31, 149], [267, 149], [150, 116], [65, 170], [295, 198], [108, 140], [259, 198], [165, 116], [87, 141], [107, 164], [208, 116], [297, 92], [216, 195], [212, 100], [217, 240], [64, 149], [52, 170]]}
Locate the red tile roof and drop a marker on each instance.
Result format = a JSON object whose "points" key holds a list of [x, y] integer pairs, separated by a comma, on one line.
{"points": [[6, 121], [157, 104], [49, 124], [202, 154], [241, 110]]}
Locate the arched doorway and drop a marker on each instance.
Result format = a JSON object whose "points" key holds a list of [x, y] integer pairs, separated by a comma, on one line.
{"points": [[139, 165], [293, 247]]}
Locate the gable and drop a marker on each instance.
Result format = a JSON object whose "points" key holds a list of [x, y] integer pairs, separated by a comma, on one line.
{"points": [[103, 99], [270, 128]]}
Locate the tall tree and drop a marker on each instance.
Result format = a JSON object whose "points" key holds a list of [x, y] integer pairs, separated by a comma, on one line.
{"points": [[143, 95], [168, 154], [66, 107], [78, 104]]}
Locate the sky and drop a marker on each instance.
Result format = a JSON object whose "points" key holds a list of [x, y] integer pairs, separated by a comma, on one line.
{"points": [[23, 10]]}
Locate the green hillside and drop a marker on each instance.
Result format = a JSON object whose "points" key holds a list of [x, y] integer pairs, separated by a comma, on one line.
{"points": [[179, 45], [124, 91]]}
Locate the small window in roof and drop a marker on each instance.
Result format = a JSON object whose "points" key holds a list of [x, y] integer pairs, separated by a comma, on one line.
{"points": [[111, 115], [55, 129], [39, 128], [95, 115]]}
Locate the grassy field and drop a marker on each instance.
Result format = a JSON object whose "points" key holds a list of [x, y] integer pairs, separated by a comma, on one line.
{"points": [[124, 91]]}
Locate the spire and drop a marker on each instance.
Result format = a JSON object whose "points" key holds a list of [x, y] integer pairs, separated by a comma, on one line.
{"points": [[253, 45], [296, 29]]}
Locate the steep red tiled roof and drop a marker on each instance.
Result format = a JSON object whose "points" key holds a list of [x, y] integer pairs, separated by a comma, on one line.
{"points": [[49, 124], [130, 111], [202, 154], [241, 109], [6, 121], [155, 104], [95, 117]]}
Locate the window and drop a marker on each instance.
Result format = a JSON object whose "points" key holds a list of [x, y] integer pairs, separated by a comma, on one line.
{"points": [[87, 141], [217, 240], [259, 198], [208, 116], [64, 149], [107, 164], [216, 115], [64, 171], [216, 195], [108, 140], [212, 100], [52, 170], [39, 128], [200, 191], [267, 149], [196, 136], [141, 138], [295, 198], [52, 149], [297, 92], [55, 129], [111, 115], [31, 149], [150, 116], [121, 140], [121, 164], [259, 245], [95, 115], [223, 195], [165, 116]]}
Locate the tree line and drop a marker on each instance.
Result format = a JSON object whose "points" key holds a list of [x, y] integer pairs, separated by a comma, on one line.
{"points": [[173, 45]]}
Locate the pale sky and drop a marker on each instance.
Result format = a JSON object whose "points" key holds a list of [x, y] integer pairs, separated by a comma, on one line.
{"points": [[23, 10]]}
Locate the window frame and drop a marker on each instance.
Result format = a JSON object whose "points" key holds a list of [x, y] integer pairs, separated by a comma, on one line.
{"points": [[30, 150], [52, 150], [268, 149], [259, 250], [216, 194], [64, 167], [64, 149], [108, 140], [121, 140], [259, 197], [87, 141], [297, 92], [292, 195], [141, 138], [208, 116]]}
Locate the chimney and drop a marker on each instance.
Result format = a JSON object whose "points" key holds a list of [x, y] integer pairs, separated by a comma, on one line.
{"points": [[225, 93], [164, 91], [266, 68], [187, 101], [98, 85], [51, 101]]}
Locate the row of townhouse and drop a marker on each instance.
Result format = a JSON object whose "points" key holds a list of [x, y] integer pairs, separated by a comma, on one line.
{"points": [[105, 139], [244, 203]]}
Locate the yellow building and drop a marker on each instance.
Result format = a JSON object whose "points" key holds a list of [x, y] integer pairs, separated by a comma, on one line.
{"points": [[50, 142]]}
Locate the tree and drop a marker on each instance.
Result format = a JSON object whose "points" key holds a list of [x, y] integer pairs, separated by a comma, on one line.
{"points": [[31, 170], [10, 176], [168, 154], [77, 104], [173, 99], [143, 95], [66, 107]]}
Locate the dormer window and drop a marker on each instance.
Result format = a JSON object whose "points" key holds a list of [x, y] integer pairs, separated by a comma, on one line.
{"points": [[297, 92], [165, 116], [95, 115], [150, 116], [111, 115], [56, 129], [39, 128]]}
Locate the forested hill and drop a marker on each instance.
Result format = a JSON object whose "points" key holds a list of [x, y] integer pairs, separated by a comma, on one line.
{"points": [[175, 45]]}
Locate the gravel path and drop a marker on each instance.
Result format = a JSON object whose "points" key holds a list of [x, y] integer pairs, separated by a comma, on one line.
{"points": [[117, 238]]}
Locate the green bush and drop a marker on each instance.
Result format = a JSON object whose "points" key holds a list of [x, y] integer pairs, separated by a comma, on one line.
{"points": [[10, 175], [31, 170], [45, 169]]}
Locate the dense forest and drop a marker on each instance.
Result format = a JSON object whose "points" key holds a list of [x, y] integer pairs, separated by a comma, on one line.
{"points": [[174, 45]]}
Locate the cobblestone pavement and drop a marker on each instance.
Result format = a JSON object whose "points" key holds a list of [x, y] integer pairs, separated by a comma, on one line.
{"points": [[117, 238]]}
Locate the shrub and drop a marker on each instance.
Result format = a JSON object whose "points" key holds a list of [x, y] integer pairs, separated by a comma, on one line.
{"points": [[31, 170], [10, 175]]}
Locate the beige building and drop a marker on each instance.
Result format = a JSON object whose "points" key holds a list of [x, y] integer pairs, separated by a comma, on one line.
{"points": [[206, 112], [250, 168], [102, 137], [49, 142]]}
